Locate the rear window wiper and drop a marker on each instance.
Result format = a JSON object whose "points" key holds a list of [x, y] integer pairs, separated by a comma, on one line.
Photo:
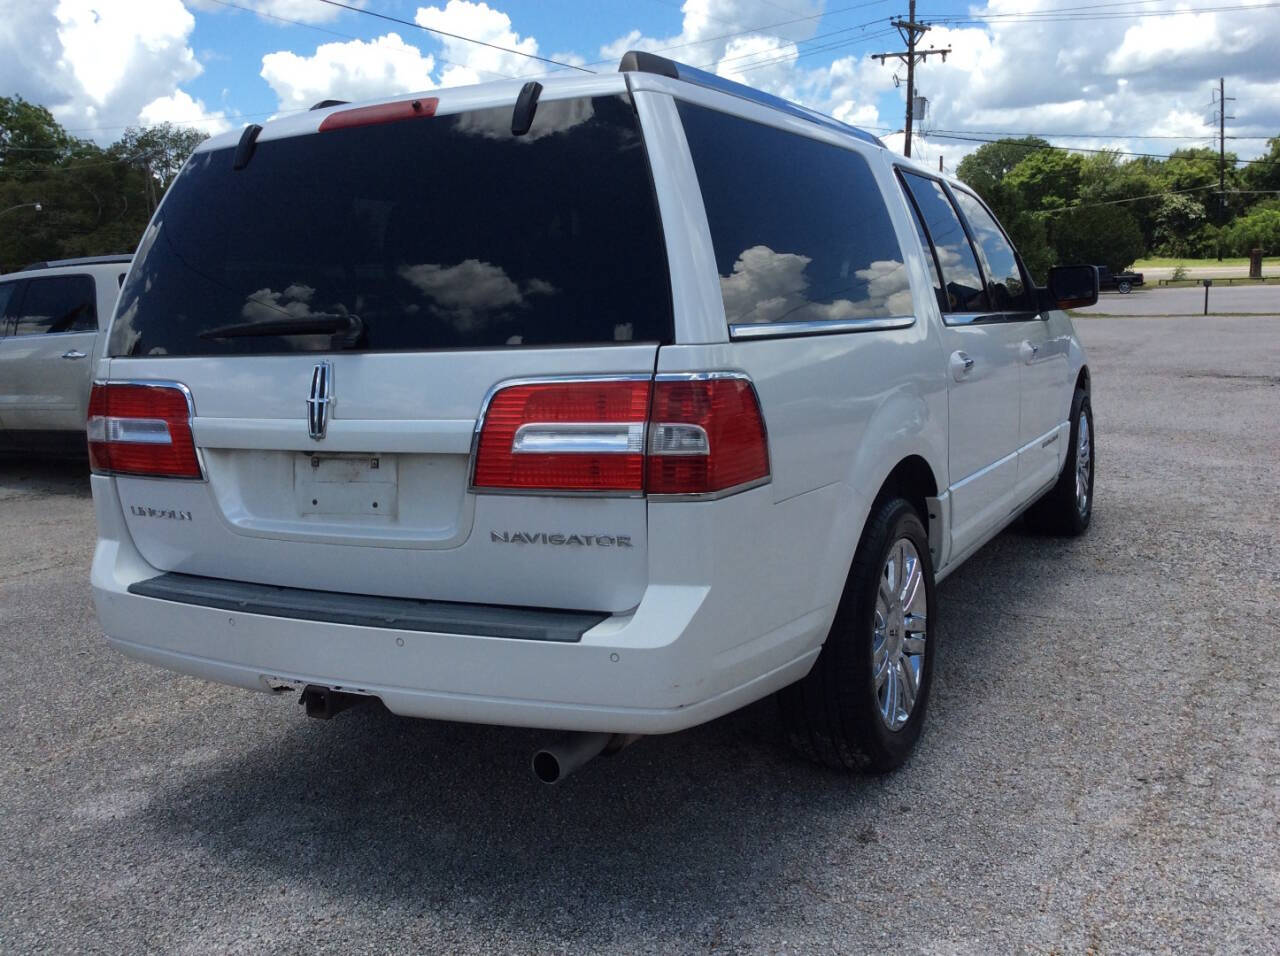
{"points": [[351, 326]]}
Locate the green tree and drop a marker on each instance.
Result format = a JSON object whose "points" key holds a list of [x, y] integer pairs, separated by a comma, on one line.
{"points": [[1179, 226], [1097, 235], [1047, 179], [1263, 173], [1260, 229]]}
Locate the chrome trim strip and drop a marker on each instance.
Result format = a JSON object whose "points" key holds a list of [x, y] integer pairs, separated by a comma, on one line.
{"points": [[716, 495], [1012, 456], [579, 438], [191, 414], [775, 330]]}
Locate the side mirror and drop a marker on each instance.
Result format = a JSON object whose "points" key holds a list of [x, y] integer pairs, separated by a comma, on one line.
{"points": [[1070, 287]]}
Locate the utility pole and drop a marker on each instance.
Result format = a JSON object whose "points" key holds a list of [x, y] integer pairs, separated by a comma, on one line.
{"points": [[1222, 117], [911, 30]]}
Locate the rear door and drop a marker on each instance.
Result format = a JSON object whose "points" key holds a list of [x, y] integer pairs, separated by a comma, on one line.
{"points": [[983, 359], [46, 356], [341, 308]]}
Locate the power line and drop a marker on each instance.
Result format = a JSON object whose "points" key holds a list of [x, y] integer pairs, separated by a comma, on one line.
{"points": [[1085, 149], [1053, 17], [996, 132], [455, 36], [1117, 202], [336, 33]]}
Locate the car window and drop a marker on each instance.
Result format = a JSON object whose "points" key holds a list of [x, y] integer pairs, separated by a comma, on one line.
{"points": [[799, 227], [7, 299], [960, 275], [1005, 285], [447, 232], [57, 304], [929, 254]]}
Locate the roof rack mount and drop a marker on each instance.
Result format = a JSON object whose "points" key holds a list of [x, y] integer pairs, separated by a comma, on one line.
{"points": [[638, 61]]}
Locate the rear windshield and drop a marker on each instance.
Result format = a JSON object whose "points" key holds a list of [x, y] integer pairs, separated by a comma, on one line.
{"points": [[433, 233]]}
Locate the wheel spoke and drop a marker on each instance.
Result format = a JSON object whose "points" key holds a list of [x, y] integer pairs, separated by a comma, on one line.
{"points": [[913, 595], [879, 664], [907, 683], [890, 708], [913, 645]]}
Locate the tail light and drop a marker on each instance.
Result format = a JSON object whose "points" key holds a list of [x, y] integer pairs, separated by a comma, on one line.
{"points": [[565, 436], [700, 434], [141, 429], [706, 435]]}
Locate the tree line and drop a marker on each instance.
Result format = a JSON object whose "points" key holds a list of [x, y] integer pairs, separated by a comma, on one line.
{"points": [[1061, 207], [93, 200]]}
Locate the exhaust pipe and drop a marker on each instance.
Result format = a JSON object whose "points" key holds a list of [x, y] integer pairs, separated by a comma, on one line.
{"points": [[562, 756]]}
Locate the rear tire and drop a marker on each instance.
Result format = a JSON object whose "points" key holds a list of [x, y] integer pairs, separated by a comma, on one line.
{"points": [[1123, 286], [862, 706], [1067, 508]]}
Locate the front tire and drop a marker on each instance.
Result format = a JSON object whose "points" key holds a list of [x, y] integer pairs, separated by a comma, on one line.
{"points": [[862, 706], [1067, 508]]}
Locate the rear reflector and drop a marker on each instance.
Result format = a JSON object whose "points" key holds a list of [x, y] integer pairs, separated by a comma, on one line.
{"points": [[706, 435], [382, 113], [141, 430], [681, 435]]}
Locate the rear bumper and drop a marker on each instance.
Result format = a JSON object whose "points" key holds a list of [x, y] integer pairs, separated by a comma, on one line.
{"points": [[664, 666]]}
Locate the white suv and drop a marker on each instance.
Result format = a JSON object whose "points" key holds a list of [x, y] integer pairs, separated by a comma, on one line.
{"points": [[50, 315], [608, 405]]}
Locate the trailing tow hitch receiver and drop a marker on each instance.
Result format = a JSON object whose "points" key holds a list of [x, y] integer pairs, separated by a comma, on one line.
{"points": [[323, 703]]}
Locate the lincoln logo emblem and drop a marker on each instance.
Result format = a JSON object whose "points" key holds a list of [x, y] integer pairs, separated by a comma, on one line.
{"points": [[320, 400]]}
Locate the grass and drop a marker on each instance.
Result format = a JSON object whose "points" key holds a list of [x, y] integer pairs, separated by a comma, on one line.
{"points": [[1158, 262]]}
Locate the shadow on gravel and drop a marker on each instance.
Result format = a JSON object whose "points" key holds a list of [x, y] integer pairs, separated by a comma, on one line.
{"points": [[717, 823], [24, 473]]}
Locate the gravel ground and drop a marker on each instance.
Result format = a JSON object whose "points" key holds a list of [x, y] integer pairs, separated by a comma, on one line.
{"points": [[1099, 773]]}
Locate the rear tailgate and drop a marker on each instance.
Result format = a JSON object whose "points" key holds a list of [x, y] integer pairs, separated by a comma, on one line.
{"points": [[413, 266]]}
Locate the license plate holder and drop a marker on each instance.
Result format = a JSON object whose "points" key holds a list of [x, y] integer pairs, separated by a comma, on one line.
{"points": [[345, 485]]}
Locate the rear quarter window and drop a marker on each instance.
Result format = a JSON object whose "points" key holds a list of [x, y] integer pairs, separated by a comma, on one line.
{"points": [[799, 226], [436, 233]]}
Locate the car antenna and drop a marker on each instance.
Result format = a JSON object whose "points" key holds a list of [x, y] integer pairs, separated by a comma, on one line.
{"points": [[526, 106]]}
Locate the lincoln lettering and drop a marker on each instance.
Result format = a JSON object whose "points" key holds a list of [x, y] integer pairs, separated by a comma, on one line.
{"points": [[570, 540]]}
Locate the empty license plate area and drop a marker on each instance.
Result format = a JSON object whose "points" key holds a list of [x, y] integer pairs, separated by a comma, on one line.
{"points": [[345, 484]]}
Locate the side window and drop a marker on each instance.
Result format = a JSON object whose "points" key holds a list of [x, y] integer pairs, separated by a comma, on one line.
{"points": [[57, 304], [8, 298], [1005, 285], [960, 276], [929, 255], [800, 229]]}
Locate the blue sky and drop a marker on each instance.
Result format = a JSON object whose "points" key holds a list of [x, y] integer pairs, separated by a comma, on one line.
{"points": [[1131, 75]]}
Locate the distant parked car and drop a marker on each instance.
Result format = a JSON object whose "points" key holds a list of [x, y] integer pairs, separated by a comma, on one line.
{"points": [[50, 317], [1122, 282]]}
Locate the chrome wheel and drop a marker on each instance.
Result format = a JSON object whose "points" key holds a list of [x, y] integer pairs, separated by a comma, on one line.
{"points": [[1084, 464], [899, 634]]}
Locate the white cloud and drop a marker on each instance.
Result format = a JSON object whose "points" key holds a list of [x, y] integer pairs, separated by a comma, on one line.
{"points": [[467, 63], [355, 70], [304, 11], [97, 63], [183, 110]]}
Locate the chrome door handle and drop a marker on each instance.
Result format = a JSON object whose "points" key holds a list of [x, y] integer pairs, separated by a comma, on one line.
{"points": [[1029, 352], [73, 354], [961, 365]]}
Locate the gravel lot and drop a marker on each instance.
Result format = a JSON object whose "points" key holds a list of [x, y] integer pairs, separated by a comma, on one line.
{"points": [[1100, 772]]}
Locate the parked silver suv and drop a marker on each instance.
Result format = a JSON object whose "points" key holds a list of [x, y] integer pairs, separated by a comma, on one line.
{"points": [[605, 405], [50, 315]]}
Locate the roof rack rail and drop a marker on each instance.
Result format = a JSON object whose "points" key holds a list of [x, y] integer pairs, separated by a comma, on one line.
{"points": [[82, 261], [325, 104], [638, 61]]}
